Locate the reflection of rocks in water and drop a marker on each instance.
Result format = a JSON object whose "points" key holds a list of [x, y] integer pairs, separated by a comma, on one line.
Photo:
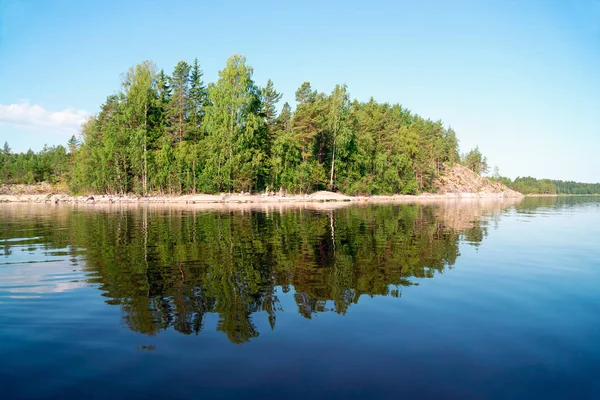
{"points": [[466, 214], [168, 268], [471, 218]]}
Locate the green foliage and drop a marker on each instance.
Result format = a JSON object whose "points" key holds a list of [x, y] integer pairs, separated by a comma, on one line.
{"points": [[179, 105], [529, 185], [475, 161], [174, 134], [570, 187], [51, 165], [198, 100], [269, 99], [237, 134]]}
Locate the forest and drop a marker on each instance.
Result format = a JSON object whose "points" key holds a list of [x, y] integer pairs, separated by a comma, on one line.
{"points": [[173, 134], [529, 185]]}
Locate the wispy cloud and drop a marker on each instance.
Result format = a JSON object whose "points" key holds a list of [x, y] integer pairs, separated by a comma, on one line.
{"points": [[32, 115]]}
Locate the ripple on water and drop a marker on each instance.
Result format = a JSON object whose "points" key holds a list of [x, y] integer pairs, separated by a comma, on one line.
{"points": [[29, 268], [37, 279]]}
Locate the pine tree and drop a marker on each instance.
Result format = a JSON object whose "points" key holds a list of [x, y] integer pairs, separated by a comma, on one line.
{"points": [[283, 122], [198, 98], [309, 119], [269, 98], [178, 108], [475, 161], [73, 144]]}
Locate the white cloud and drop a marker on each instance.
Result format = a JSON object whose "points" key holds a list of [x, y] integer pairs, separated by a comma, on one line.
{"points": [[32, 115]]}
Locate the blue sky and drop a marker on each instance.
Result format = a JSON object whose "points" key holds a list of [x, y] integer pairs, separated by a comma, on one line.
{"points": [[521, 79]]}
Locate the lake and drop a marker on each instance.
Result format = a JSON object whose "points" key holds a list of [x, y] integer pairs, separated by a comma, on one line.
{"points": [[461, 299]]}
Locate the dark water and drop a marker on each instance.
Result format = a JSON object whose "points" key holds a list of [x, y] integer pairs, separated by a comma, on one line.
{"points": [[463, 300]]}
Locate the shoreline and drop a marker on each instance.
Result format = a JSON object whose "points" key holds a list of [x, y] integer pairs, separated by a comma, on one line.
{"points": [[317, 197]]}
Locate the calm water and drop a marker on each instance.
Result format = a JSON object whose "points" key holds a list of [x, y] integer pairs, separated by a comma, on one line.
{"points": [[461, 300]]}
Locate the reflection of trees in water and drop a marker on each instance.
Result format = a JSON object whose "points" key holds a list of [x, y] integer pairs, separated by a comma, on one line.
{"points": [[537, 204], [168, 268]]}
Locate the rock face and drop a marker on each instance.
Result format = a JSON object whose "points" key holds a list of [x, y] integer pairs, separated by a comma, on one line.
{"points": [[33, 189], [329, 196], [460, 179]]}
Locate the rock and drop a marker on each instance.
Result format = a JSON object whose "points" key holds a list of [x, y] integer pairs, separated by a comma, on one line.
{"points": [[329, 196], [461, 180]]}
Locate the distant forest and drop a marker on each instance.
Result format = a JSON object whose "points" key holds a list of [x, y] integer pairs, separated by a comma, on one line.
{"points": [[529, 185], [173, 134]]}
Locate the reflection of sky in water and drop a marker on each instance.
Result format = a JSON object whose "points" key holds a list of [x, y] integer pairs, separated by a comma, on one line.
{"points": [[29, 269]]}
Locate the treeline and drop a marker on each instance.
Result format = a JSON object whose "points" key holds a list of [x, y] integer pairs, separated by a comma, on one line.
{"points": [[174, 134], [51, 164], [570, 187], [529, 185]]}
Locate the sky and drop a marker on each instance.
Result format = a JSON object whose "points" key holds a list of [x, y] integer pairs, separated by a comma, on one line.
{"points": [[518, 78]]}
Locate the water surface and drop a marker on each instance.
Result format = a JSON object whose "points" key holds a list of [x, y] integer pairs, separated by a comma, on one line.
{"points": [[453, 300]]}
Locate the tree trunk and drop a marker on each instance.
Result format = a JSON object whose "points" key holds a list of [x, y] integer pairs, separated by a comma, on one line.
{"points": [[145, 149], [332, 167], [233, 121], [181, 116], [118, 175]]}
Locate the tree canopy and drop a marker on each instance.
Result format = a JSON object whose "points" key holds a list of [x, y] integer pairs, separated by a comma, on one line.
{"points": [[174, 134]]}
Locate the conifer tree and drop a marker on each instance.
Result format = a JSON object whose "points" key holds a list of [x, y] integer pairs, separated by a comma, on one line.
{"points": [[178, 108], [198, 97], [269, 98]]}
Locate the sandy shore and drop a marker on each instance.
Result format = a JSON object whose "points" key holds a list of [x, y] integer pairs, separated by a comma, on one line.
{"points": [[242, 198]]}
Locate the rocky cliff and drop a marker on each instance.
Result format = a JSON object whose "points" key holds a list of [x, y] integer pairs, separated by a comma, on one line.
{"points": [[460, 179]]}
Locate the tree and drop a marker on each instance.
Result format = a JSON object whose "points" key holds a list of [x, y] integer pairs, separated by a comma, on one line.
{"points": [[307, 119], [269, 98], [178, 108], [451, 146], [284, 120], [237, 134], [198, 98], [426, 159], [496, 174], [73, 144], [139, 89], [475, 161], [339, 104], [6, 149]]}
